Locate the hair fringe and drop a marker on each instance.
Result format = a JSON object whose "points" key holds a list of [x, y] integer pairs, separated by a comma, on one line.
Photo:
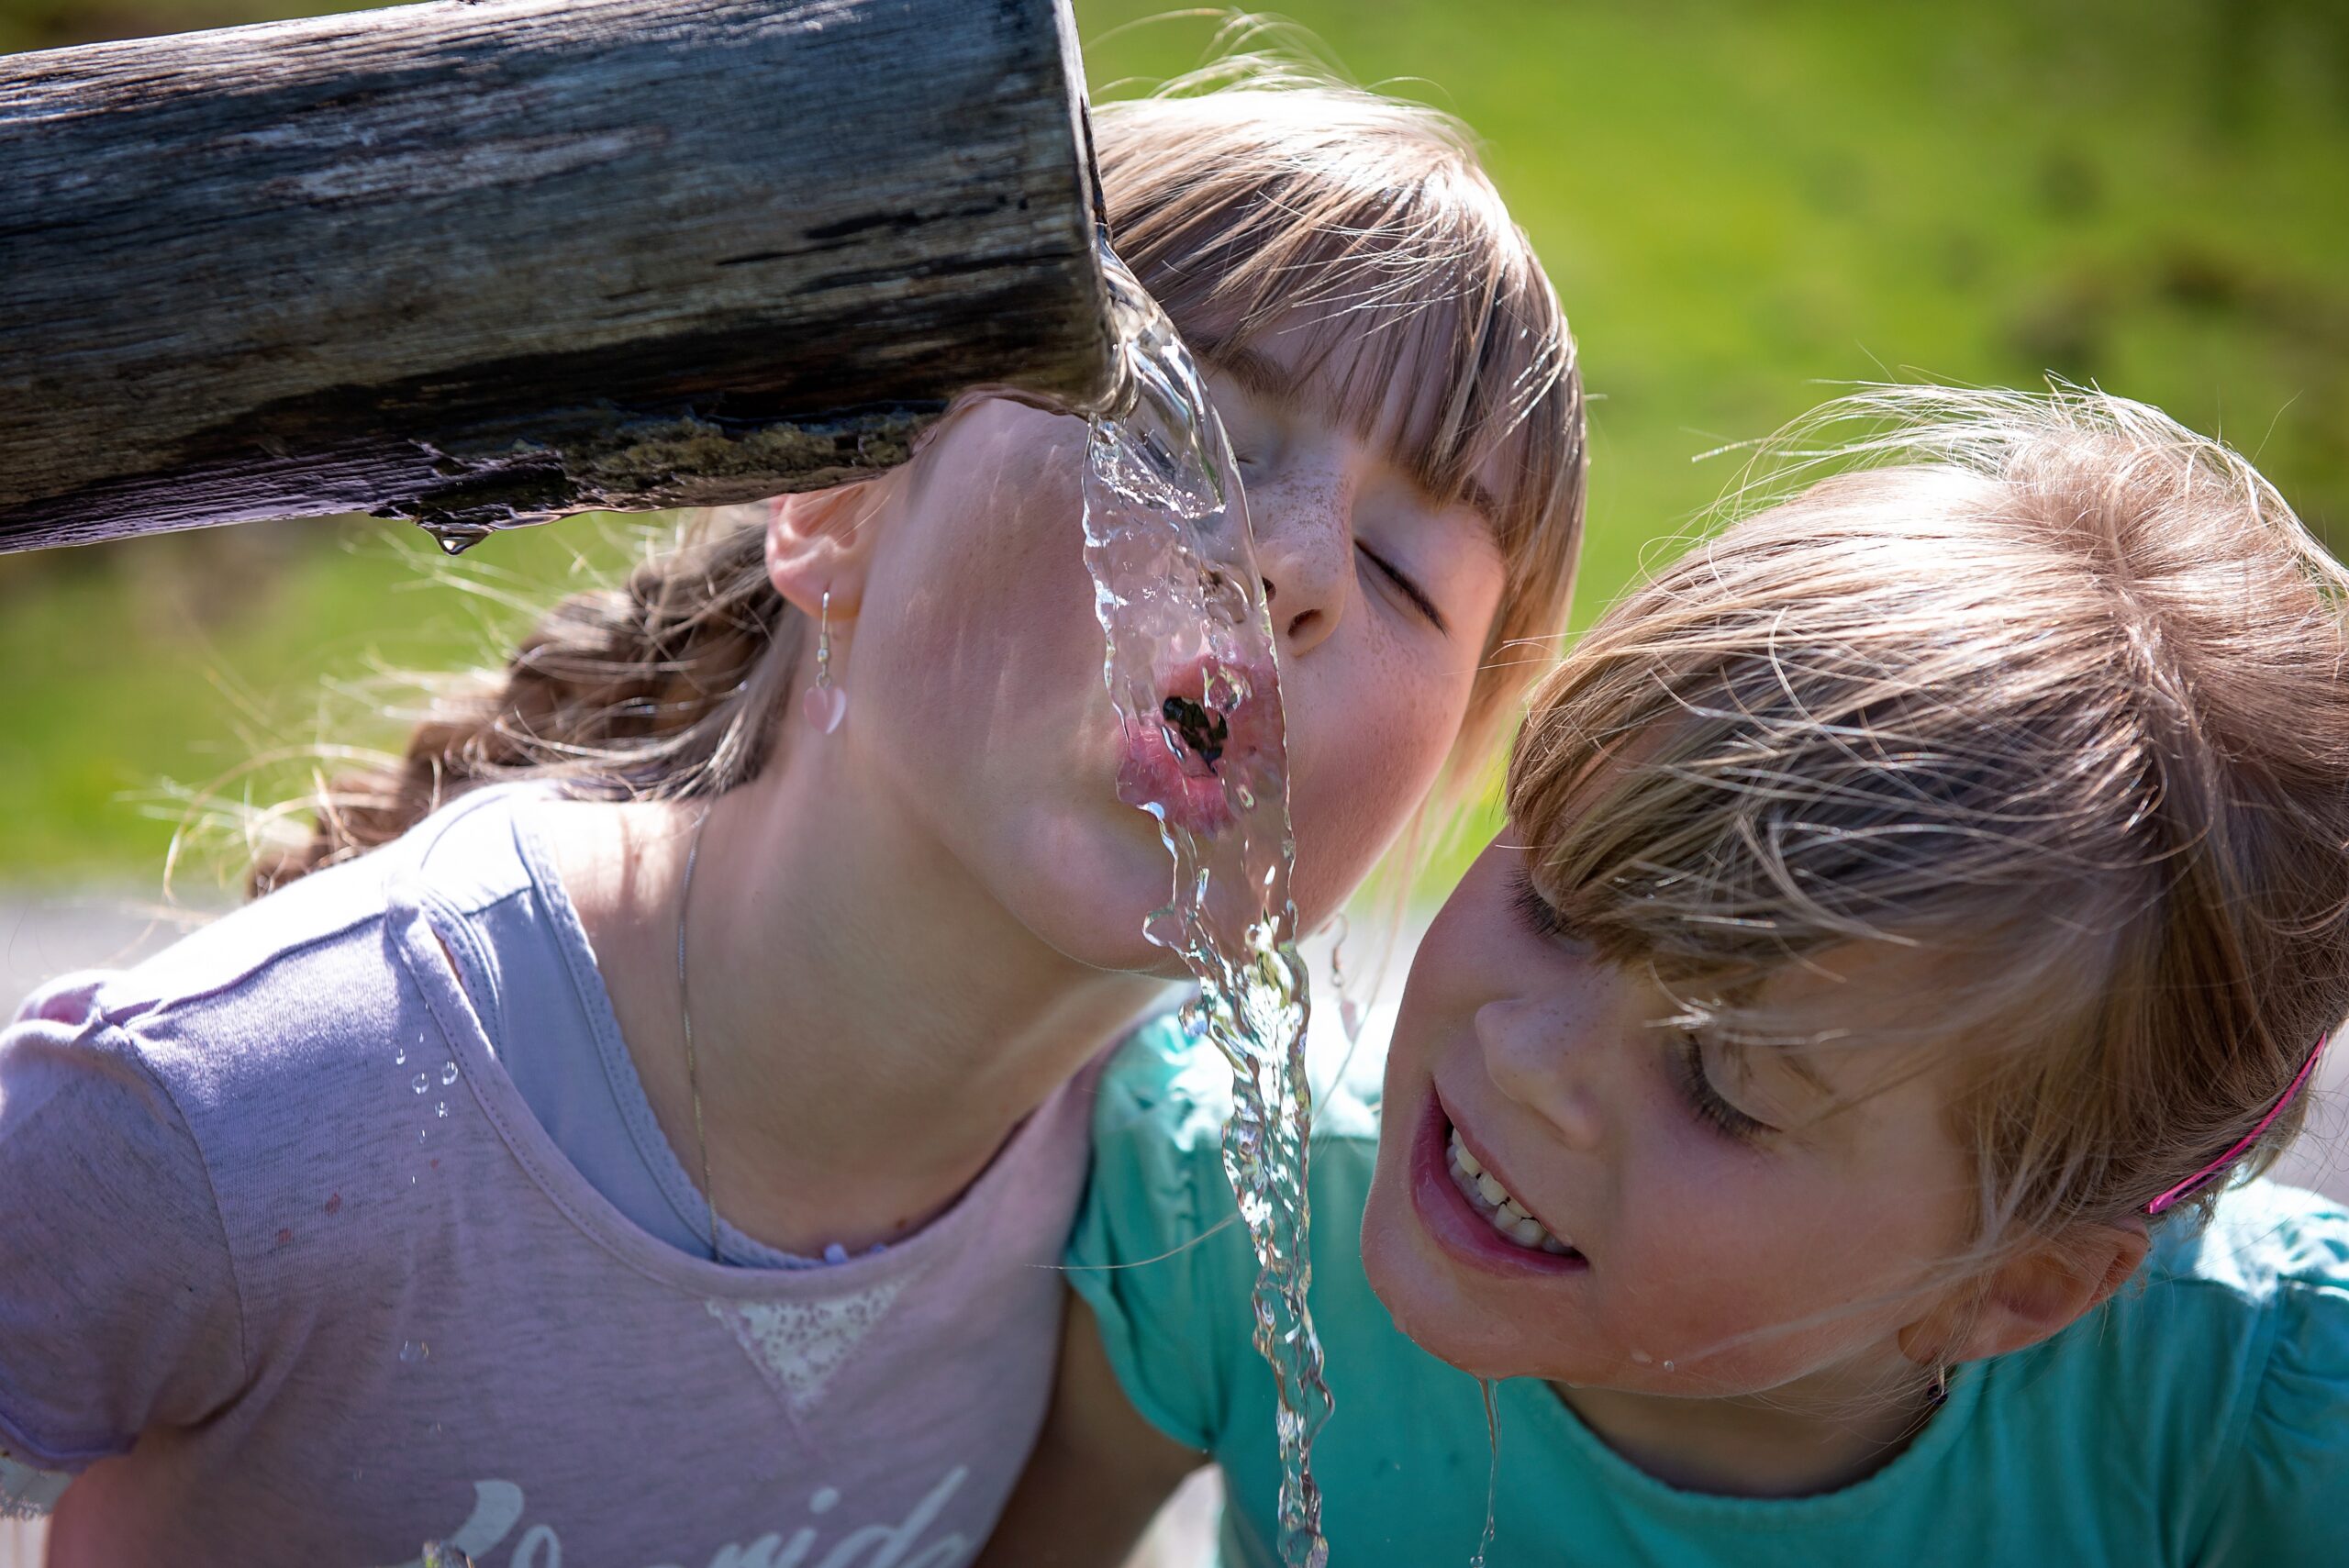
{"points": [[2044, 691]]}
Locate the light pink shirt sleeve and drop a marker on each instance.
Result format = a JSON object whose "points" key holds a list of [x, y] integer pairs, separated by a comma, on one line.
{"points": [[118, 1305]]}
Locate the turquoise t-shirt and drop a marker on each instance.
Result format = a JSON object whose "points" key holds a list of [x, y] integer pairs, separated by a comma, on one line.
{"points": [[2201, 1416]]}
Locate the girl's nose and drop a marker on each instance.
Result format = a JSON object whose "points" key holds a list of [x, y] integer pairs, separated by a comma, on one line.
{"points": [[1531, 1055], [1304, 525]]}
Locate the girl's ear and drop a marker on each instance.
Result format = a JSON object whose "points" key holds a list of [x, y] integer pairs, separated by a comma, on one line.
{"points": [[2045, 1289], [820, 542]]}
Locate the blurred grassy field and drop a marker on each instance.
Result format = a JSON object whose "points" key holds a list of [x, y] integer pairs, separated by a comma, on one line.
{"points": [[1737, 202]]}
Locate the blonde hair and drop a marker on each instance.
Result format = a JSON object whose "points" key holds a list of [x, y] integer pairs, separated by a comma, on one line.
{"points": [[1275, 196], [2047, 692]]}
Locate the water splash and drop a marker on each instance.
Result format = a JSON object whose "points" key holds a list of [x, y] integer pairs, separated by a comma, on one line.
{"points": [[1191, 670], [1492, 1470]]}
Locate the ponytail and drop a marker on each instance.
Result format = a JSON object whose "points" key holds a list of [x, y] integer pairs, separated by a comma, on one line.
{"points": [[662, 688]]}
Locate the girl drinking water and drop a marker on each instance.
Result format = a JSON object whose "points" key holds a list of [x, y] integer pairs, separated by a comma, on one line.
{"points": [[1916, 905], [643, 1134]]}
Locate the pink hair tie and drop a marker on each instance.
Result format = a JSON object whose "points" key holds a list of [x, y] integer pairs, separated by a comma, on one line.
{"points": [[2200, 1178]]}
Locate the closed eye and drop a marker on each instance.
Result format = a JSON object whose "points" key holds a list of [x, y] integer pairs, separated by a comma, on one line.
{"points": [[1408, 588], [1539, 914], [1709, 1102]]}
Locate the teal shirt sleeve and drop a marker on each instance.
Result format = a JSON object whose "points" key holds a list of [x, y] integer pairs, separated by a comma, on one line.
{"points": [[2281, 1492], [1159, 1253]]}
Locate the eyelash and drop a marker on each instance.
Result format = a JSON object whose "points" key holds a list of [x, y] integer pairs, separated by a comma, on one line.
{"points": [[1543, 918], [1408, 588], [1706, 1100], [1538, 915]]}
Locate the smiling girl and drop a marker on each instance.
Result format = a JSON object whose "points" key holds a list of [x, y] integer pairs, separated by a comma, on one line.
{"points": [[656, 1154], [1914, 903]]}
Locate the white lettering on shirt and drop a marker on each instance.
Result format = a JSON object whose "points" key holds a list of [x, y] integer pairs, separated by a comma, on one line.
{"points": [[498, 1507]]}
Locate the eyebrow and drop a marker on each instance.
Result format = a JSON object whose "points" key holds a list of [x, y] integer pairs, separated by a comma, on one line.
{"points": [[1265, 378]]}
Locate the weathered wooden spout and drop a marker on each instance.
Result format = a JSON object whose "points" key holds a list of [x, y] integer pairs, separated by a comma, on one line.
{"points": [[488, 261]]}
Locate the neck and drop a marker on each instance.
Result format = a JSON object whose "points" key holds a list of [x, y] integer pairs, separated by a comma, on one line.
{"points": [[869, 1025], [1819, 1435]]}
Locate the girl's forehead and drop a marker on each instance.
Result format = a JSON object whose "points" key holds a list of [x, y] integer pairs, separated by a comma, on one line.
{"points": [[1379, 379]]}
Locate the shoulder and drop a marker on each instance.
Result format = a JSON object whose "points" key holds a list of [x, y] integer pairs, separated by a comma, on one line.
{"points": [[2277, 1261], [2199, 1324], [2221, 1374], [1165, 1087], [267, 1044], [2262, 1240], [289, 983], [1162, 1088]]}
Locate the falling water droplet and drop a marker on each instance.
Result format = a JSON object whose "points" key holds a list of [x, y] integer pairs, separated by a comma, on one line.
{"points": [[447, 1072], [414, 1350], [455, 539], [1493, 1471], [444, 1108], [399, 1057], [419, 1138], [1641, 1357], [420, 1083]]}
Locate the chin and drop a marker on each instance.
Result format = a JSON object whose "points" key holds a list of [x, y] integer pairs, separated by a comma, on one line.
{"points": [[1092, 905], [1427, 1306]]}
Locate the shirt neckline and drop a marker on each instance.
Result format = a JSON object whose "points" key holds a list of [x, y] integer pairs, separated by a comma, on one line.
{"points": [[1541, 1405], [413, 912], [626, 1084]]}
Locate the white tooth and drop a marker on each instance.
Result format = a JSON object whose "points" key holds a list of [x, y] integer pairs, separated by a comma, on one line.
{"points": [[1515, 1211], [1495, 1194], [1468, 1162], [1528, 1232], [1552, 1244]]}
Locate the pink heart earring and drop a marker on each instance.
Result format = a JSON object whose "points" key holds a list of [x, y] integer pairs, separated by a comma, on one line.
{"points": [[824, 703]]}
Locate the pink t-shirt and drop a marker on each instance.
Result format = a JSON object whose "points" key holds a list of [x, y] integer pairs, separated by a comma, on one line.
{"points": [[290, 1274]]}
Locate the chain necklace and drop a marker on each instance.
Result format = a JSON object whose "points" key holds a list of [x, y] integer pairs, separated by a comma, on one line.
{"points": [[686, 1016]]}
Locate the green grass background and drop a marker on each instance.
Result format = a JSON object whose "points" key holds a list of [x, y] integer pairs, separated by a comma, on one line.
{"points": [[1738, 203]]}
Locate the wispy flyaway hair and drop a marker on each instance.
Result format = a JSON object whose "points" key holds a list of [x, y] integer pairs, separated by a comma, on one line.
{"points": [[1364, 231], [2047, 693]]}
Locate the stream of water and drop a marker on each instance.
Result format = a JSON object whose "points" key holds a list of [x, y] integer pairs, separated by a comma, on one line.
{"points": [[1190, 668]]}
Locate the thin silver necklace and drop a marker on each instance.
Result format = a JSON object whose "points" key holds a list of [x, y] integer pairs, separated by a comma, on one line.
{"points": [[686, 1015]]}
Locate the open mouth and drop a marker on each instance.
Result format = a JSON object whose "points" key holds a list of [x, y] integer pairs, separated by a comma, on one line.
{"points": [[1216, 723], [1489, 1198], [1467, 1208]]}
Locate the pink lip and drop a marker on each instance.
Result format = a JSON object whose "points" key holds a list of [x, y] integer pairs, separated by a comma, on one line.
{"points": [[1459, 1229], [1155, 770]]}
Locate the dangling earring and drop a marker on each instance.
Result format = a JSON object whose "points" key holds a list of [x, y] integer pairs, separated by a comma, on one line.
{"points": [[824, 703], [1941, 1387], [1349, 1009]]}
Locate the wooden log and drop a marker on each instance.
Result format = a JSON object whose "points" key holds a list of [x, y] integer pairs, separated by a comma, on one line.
{"points": [[490, 261]]}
